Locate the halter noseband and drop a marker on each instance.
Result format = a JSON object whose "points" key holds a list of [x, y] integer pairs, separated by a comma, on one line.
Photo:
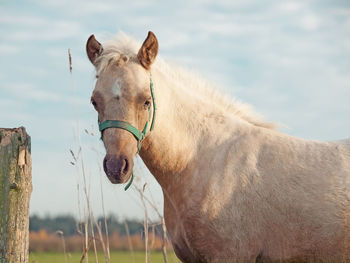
{"points": [[130, 128]]}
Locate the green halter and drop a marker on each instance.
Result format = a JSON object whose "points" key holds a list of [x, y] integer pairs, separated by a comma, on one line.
{"points": [[133, 130]]}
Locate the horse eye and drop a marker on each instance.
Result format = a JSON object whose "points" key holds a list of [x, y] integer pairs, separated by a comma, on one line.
{"points": [[147, 104]]}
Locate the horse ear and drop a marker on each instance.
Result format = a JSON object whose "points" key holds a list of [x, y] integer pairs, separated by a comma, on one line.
{"points": [[93, 49], [148, 51]]}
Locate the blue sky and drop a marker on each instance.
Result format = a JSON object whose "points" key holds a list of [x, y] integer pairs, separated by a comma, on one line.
{"points": [[289, 59]]}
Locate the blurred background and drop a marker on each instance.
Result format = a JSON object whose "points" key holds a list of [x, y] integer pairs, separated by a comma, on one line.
{"points": [[289, 59]]}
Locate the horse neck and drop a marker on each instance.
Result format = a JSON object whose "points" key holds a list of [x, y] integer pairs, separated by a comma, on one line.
{"points": [[182, 125]]}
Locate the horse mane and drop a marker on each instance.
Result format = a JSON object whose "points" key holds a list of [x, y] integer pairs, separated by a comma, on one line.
{"points": [[124, 45]]}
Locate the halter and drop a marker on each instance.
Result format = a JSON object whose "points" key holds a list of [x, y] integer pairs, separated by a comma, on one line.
{"points": [[133, 130]]}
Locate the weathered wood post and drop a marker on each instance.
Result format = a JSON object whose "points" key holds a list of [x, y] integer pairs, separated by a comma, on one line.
{"points": [[15, 190]]}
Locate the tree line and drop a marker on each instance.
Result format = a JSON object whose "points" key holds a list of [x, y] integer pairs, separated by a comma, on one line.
{"points": [[70, 226]]}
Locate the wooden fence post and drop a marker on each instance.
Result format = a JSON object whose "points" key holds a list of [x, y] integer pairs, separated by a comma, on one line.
{"points": [[15, 191]]}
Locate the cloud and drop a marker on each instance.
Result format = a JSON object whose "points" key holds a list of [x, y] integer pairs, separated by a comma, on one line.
{"points": [[169, 42], [91, 7], [6, 102], [25, 27], [7, 49], [31, 92], [23, 20], [310, 22], [291, 6], [341, 11], [34, 71], [50, 31], [233, 29]]}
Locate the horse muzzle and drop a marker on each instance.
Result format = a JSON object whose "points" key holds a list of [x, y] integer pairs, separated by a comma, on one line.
{"points": [[118, 168]]}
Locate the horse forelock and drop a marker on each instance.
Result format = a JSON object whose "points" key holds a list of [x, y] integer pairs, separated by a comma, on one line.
{"points": [[121, 46]]}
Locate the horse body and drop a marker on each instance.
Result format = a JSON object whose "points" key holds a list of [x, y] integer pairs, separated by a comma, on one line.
{"points": [[235, 189], [242, 190]]}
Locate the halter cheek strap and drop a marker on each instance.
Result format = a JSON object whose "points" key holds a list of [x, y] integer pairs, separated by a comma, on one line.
{"points": [[139, 136]]}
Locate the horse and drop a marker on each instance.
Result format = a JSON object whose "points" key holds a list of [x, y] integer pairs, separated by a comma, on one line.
{"points": [[235, 188]]}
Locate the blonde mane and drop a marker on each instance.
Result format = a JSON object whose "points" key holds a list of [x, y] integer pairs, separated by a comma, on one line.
{"points": [[123, 45]]}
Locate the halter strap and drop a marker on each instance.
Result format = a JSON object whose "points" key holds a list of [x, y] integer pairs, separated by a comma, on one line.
{"points": [[139, 136], [121, 125]]}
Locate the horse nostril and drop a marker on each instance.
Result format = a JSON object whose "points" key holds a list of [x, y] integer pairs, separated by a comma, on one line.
{"points": [[125, 167], [105, 164]]}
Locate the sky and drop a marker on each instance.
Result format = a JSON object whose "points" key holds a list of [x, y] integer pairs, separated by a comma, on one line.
{"points": [[290, 60]]}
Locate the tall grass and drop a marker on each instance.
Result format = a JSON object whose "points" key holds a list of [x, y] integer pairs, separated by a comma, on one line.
{"points": [[116, 257]]}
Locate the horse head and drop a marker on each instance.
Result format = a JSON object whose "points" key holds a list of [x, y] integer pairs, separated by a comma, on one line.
{"points": [[123, 100]]}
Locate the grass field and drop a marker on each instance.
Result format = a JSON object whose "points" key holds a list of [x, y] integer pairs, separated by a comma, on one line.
{"points": [[116, 257]]}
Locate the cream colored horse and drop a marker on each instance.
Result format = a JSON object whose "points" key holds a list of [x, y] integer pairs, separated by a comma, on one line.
{"points": [[235, 189]]}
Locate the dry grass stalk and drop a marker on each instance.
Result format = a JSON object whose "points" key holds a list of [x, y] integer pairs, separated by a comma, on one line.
{"points": [[90, 216], [151, 245], [98, 226], [85, 253], [107, 237], [79, 225], [87, 245], [60, 233], [164, 235], [107, 254], [164, 240], [87, 198], [86, 231], [82, 164], [145, 220], [93, 237], [129, 240], [70, 61], [104, 215]]}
